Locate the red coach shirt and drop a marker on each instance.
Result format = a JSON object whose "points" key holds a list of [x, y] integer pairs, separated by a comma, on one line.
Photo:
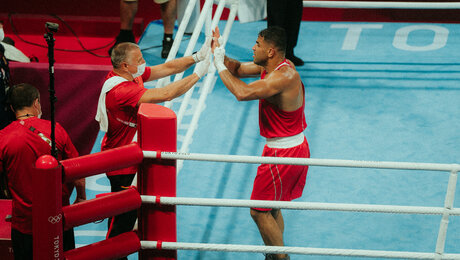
{"points": [[121, 103], [20, 147]]}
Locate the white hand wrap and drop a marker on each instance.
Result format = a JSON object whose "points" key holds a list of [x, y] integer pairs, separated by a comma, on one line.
{"points": [[219, 56], [201, 54], [220, 40], [202, 67]]}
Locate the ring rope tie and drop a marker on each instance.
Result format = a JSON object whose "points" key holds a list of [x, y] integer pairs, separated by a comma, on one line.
{"points": [[157, 200], [159, 244], [158, 155]]}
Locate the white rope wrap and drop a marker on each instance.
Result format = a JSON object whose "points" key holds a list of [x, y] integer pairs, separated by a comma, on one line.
{"points": [[302, 161], [293, 250], [299, 205], [382, 5]]}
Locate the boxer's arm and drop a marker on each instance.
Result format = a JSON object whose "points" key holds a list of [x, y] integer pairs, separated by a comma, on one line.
{"points": [[259, 89], [238, 69], [242, 70]]}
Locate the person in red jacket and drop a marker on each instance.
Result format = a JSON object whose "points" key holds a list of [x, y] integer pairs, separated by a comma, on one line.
{"points": [[21, 143], [122, 94], [281, 96]]}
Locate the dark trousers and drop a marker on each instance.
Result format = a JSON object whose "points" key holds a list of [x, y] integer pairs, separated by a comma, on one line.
{"points": [[286, 14], [124, 222], [23, 245]]}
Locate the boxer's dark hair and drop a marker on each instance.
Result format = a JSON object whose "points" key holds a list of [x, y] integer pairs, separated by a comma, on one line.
{"points": [[275, 35]]}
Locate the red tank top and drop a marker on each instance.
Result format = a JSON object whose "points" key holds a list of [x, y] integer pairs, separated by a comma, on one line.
{"points": [[274, 122]]}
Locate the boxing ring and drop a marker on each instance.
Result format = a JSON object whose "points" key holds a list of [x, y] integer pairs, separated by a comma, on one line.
{"points": [[155, 194], [155, 198]]}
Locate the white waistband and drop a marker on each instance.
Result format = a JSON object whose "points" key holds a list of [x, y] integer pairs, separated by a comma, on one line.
{"points": [[286, 142]]}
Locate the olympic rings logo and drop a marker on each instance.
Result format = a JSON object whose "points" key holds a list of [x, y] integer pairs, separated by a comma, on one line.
{"points": [[54, 219]]}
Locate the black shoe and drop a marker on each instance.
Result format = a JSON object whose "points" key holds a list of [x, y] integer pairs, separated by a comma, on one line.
{"points": [[270, 257], [296, 60], [123, 36], [273, 257], [167, 44]]}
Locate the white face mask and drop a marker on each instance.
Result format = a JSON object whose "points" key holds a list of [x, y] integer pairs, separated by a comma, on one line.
{"points": [[39, 115], [140, 70], [2, 34], [38, 107]]}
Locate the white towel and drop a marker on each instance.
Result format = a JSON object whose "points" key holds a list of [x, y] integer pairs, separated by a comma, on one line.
{"points": [[101, 115]]}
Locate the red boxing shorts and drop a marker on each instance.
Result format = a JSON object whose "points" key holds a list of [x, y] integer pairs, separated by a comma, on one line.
{"points": [[281, 182]]}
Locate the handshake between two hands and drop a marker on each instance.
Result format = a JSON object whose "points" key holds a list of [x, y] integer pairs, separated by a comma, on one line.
{"points": [[203, 56]]}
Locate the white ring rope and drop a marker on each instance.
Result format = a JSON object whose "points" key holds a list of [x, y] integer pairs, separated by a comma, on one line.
{"points": [[446, 211], [298, 205], [293, 250], [382, 5], [302, 161]]}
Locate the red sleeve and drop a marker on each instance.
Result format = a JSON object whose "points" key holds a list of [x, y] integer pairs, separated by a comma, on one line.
{"points": [[68, 149], [146, 75], [129, 94]]}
